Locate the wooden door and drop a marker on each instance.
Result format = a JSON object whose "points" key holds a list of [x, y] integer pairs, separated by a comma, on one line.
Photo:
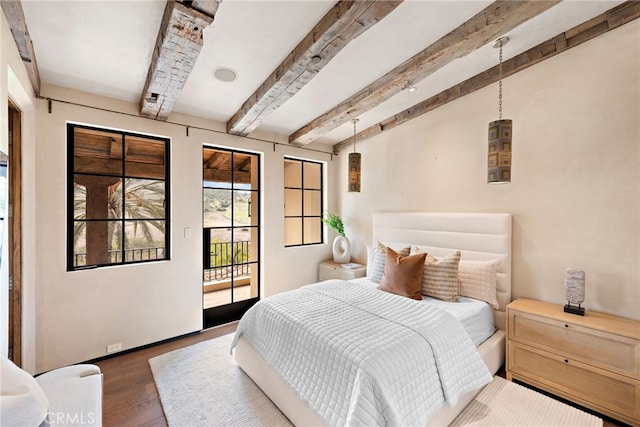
{"points": [[14, 215]]}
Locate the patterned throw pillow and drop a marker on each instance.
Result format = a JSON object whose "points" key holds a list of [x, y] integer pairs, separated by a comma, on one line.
{"points": [[379, 259], [440, 276], [403, 274], [478, 279]]}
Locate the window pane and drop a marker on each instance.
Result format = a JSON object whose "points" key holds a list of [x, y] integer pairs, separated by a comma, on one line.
{"points": [[144, 240], [97, 152], [292, 173], [245, 282], [216, 168], [243, 210], [95, 242], [216, 207], [144, 199], [217, 279], [312, 230], [245, 171], [292, 231], [221, 251], [242, 244], [217, 289], [312, 203], [144, 157], [97, 197], [79, 244], [312, 175], [292, 202]]}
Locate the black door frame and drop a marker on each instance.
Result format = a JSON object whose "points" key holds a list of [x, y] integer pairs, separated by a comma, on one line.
{"points": [[226, 313]]}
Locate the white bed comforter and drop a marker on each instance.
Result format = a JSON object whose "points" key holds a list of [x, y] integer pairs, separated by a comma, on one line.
{"points": [[360, 356]]}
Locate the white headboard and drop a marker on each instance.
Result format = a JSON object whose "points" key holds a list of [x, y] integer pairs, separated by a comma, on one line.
{"points": [[478, 236]]}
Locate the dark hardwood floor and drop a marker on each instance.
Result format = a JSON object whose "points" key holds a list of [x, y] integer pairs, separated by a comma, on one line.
{"points": [[130, 396]]}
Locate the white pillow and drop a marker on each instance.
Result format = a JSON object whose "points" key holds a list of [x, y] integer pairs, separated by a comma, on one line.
{"points": [[478, 279], [377, 258], [22, 401], [370, 256]]}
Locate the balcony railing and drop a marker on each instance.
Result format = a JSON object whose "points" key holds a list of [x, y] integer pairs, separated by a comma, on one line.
{"points": [[227, 259], [131, 255]]}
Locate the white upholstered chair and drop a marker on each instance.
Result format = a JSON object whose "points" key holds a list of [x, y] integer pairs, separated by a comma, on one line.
{"points": [[69, 396]]}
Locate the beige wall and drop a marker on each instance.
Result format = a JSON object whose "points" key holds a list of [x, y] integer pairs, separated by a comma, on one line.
{"points": [[80, 313], [574, 194]]}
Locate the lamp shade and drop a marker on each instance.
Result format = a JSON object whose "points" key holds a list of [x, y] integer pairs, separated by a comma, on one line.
{"points": [[354, 172], [499, 160]]}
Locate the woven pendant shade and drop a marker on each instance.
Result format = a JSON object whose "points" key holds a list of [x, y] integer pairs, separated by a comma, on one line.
{"points": [[354, 172], [499, 159], [355, 161]]}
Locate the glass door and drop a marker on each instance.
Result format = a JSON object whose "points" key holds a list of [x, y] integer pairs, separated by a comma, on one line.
{"points": [[231, 233]]}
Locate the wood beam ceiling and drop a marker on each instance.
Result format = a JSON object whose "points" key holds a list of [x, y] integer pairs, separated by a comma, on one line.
{"points": [[495, 20], [343, 23], [177, 47], [15, 17], [613, 18]]}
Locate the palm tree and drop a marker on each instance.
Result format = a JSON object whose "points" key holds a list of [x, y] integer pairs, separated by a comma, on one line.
{"points": [[144, 211]]}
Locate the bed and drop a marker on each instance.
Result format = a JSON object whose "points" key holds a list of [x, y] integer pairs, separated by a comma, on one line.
{"points": [[478, 237]]}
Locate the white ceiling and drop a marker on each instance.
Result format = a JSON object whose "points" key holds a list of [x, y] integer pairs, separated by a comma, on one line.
{"points": [[104, 47]]}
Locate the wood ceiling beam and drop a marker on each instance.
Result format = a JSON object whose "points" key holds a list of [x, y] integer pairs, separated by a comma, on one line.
{"points": [[494, 21], [243, 164], [17, 23], [238, 177], [177, 47], [342, 24], [115, 148], [612, 19], [217, 158], [89, 165]]}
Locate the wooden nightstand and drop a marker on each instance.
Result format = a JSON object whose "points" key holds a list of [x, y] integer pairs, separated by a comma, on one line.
{"points": [[593, 360], [332, 270]]}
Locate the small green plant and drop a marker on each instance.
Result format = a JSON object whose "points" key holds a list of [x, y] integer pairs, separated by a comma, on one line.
{"points": [[335, 222]]}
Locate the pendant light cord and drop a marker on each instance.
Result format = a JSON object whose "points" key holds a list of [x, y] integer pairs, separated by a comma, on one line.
{"points": [[500, 84], [354, 134]]}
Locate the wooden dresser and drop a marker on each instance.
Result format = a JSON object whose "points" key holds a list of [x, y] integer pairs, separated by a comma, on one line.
{"points": [[592, 360]]}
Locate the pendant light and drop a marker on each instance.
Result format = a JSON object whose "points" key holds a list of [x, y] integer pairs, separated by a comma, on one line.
{"points": [[500, 133], [354, 164]]}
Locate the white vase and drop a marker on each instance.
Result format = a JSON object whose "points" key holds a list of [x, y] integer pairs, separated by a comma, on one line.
{"points": [[341, 250]]}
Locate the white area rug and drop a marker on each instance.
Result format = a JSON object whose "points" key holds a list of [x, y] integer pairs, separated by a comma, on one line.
{"points": [[201, 385], [503, 403]]}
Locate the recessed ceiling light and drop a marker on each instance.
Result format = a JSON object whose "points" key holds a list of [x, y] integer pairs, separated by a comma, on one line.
{"points": [[412, 89], [225, 74]]}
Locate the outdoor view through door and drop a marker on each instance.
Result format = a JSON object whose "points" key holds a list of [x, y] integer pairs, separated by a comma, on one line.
{"points": [[231, 221]]}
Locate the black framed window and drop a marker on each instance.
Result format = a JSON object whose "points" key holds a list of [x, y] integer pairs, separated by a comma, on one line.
{"points": [[303, 202], [118, 197]]}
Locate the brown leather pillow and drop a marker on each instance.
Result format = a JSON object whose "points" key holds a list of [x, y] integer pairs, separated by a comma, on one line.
{"points": [[403, 274]]}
